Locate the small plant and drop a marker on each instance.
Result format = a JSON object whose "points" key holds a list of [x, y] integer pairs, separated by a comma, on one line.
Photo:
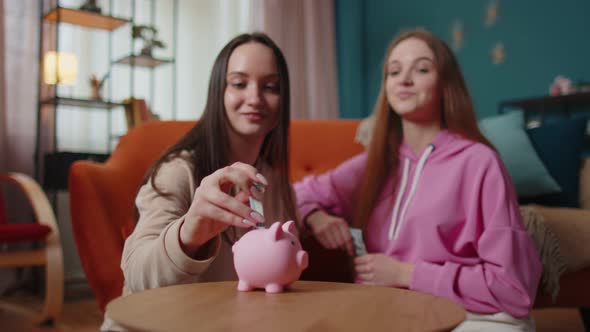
{"points": [[148, 34]]}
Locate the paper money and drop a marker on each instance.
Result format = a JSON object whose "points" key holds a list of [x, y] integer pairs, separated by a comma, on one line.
{"points": [[358, 241]]}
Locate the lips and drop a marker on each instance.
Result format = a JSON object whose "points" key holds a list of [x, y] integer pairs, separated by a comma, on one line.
{"points": [[253, 116], [405, 94]]}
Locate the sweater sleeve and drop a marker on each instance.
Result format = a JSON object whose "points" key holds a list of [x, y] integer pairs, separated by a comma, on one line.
{"points": [[332, 191], [506, 276], [152, 255]]}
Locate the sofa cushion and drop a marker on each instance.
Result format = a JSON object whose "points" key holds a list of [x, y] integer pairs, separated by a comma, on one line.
{"points": [[529, 174], [559, 143]]}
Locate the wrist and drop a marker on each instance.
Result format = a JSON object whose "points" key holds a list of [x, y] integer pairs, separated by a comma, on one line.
{"points": [[408, 273], [312, 217], [192, 238], [200, 251]]}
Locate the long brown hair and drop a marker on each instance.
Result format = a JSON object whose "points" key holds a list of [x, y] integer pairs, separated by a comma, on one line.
{"points": [[458, 116], [209, 139]]}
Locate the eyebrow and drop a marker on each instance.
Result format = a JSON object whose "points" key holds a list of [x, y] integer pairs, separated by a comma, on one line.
{"points": [[240, 73], [415, 60]]}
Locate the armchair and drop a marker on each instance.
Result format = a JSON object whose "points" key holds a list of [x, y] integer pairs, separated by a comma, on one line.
{"points": [[45, 231], [102, 202]]}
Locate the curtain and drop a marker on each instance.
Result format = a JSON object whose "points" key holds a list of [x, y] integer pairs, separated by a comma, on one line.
{"points": [[304, 30], [18, 105], [3, 135], [18, 84]]}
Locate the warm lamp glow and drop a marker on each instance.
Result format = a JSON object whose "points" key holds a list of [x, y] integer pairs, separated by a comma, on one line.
{"points": [[60, 68]]}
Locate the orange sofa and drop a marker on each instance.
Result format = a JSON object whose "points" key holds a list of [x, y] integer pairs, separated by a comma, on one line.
{"points": [[102, 197]]}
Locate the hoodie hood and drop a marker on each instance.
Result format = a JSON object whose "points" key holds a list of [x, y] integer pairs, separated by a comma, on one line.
{"points": [[446, 144]]}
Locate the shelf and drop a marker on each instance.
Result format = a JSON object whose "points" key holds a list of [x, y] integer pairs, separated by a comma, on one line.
{"points": [[143, 61], [545, 102], [84, 18], [57, 166], [88, 103]]}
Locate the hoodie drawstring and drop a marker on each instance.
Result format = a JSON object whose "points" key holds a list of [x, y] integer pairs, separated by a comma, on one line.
{"points": [[395, 222], [398, 199]]}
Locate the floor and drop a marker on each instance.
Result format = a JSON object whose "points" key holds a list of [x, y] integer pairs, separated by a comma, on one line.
{"points": [[17, 313]]}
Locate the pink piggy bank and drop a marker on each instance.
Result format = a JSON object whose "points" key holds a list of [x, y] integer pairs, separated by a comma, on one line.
{"points": [[269, 258]]}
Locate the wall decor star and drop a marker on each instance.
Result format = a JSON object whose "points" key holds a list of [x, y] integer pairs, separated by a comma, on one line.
{"points": [[457, 35], [498, 54], [491, 13]]}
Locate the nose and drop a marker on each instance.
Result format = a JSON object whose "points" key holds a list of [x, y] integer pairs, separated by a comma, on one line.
{"points": [[406, 78], [253, 95]]}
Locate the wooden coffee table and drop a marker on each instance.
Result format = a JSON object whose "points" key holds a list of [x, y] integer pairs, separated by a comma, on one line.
{"points": [[308, 306]]}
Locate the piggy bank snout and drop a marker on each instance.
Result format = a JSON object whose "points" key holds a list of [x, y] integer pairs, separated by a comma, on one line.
{"points": [[302, 259]]}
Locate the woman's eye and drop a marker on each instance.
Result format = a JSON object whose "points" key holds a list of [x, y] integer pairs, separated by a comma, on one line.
{"points": [[424, 70], [393, 72], [238, 85], [271, 88]]}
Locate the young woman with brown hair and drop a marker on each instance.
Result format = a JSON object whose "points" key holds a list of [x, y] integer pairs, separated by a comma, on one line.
{"points": [[193, 203]]}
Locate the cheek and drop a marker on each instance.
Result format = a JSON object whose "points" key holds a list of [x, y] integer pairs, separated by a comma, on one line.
{"points": [[230, 100], [274, 103], [429, 91], [389, 90]]}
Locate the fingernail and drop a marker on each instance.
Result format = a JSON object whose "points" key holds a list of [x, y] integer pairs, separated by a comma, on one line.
{"points": [[258, 187], [257, 216], [262, 179], [248, 222]]}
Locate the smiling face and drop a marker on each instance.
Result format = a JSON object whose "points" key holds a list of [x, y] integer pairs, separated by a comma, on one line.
{"points": [[251, 97], [411, 83]]}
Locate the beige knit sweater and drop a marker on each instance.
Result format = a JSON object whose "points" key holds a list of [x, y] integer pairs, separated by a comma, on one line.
{"points": [[152, 256]]}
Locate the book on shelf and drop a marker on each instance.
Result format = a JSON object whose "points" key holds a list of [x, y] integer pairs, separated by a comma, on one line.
{"points": [[137, 112]]}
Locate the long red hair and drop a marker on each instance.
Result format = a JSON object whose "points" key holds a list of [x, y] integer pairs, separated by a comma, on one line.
{"points": [[458, 116]]}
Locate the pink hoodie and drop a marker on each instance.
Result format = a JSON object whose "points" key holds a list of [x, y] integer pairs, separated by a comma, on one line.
{"points": [[454, 214]]}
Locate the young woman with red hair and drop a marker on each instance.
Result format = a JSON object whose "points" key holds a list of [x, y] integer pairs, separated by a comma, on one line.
{"points": [[438, 210]]}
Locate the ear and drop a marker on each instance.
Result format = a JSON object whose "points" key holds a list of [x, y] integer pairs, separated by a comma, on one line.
{"points": [[275, 232], [289, 227]]}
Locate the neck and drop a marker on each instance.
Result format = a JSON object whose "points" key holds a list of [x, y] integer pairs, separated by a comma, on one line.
{"points": [[419, 135], [244, 149]]}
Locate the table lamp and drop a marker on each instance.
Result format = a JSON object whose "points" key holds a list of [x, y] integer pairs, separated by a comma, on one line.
{"points": [[60, 68]]}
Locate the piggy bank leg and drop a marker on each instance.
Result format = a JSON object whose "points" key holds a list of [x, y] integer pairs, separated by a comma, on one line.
{"points": [[273, 288], [244, 286]]}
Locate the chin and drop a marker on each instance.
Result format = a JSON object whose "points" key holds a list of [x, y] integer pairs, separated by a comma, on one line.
{"points": [[252, 130], [404, 111]]}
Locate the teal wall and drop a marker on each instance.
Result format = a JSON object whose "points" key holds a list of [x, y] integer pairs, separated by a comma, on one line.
{"points": [[541, 38]]}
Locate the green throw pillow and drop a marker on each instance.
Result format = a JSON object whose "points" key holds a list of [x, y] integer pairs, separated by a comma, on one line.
{"points": [[529, 174]]}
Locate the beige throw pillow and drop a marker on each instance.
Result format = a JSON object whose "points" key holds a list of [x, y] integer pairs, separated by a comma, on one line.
{"points": [[585, 185], [572, 229]]}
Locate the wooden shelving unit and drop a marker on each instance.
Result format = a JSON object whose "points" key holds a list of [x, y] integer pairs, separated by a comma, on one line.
{"points": [[84, 103], [52, 102], [52, 15], [142, 61], [84, 19]]}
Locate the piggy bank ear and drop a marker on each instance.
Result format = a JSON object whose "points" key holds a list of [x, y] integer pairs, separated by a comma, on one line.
{"points": [[275, 232], [289, 227]]}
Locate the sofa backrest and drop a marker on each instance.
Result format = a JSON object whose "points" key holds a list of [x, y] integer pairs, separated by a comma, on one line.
{"points": [[316, 146]]}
